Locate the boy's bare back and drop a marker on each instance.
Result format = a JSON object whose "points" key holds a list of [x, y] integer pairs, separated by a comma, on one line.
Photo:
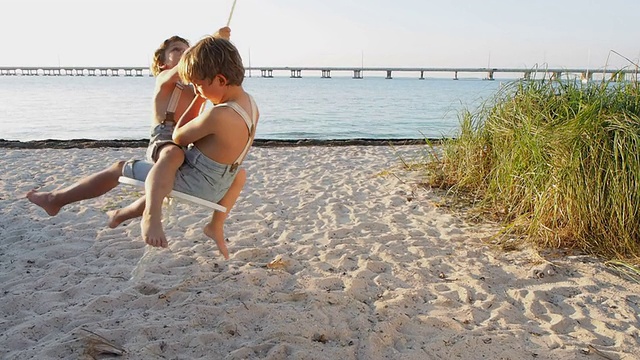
{"points": [[221, 133], [227, 131]]}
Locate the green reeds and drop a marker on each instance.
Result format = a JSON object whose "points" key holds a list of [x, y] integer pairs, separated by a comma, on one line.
{"points": [[558, 161]]}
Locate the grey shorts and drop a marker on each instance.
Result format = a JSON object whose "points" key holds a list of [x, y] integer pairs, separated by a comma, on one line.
{"points": [[161, 135], [198, 176]]}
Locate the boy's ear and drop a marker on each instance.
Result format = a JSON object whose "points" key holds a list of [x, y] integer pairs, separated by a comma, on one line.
{"points": [[221, 80]]}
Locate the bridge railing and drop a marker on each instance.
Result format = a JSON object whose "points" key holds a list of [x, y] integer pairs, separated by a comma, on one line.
{"points": [[357, 72]]}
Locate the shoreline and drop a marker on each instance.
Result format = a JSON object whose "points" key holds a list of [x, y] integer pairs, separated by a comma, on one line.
{"points": [[139, 143]]}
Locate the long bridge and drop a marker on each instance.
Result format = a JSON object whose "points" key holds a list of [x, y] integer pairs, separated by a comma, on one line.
{"points": [[325, 72]]}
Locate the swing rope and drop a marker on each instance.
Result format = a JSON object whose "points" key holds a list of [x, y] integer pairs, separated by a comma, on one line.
{"points": [[231, 13]]}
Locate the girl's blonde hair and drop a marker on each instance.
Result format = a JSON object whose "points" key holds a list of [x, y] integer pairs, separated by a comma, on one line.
{"points": [[158, 56]]}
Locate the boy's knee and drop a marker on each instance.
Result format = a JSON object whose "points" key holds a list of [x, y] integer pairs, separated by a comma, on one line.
{"points": [[171, 153]]}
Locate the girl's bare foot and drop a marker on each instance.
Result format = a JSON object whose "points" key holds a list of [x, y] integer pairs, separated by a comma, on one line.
{"points": [[152, 232], [218, 236], [114, 219], [45, 200]]}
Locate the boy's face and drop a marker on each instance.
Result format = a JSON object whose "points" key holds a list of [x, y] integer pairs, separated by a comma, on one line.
{"points": [[172, 54], [212, 90]]}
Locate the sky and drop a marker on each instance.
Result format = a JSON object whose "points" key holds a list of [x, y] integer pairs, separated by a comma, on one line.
{"points": [[334, 33]]}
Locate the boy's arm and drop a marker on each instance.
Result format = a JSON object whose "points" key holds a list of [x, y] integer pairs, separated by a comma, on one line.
{"points": [[194, 130], [196, 107]]}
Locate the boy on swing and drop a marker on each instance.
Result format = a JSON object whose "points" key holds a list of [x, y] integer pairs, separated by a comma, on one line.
{"points": [[220, 136], [171, 100]]}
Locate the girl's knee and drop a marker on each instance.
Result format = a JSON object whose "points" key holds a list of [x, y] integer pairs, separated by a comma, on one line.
{"points": [[170, 157], [118, 165]]}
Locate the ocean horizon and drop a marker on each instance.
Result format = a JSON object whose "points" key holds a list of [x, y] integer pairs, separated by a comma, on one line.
{"points": [[312, 108]]}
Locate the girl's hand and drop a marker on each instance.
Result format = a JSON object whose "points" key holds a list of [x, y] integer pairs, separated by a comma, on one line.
{"points": [[223, 33]]}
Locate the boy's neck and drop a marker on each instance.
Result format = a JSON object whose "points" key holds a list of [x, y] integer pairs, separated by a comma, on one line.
{"points": [[233, 93]]}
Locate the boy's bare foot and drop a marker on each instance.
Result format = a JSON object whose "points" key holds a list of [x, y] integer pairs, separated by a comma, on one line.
{"points": [[218, 236], [114, 219], [152, 232], [44, 200]]}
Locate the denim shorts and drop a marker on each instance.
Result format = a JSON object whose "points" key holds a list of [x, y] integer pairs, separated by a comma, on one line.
{"points": [[198, 176], [161, 135]]}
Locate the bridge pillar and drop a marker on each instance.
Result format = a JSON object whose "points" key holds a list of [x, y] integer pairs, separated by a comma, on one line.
{"points": [[489, 75], [455, 75], [421, 74], [296, 74], [266, 73], [138, 72], [388, 75], [357, 74], [326, 74]]}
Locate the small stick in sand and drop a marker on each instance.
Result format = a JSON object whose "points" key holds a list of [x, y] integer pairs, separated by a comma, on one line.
{"points": [[98, 345]]}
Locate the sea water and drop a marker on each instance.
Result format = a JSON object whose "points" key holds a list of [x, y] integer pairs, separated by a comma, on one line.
{"points": [[105, 107]]}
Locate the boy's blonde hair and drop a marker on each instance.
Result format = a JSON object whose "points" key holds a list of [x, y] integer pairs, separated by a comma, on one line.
{"points": [[212, 56], [158, 56]]}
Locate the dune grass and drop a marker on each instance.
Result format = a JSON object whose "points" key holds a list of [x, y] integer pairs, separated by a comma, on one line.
{"points": [[558, 161]]}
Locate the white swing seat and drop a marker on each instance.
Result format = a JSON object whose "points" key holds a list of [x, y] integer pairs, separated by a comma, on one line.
{"points": [[176, 194]]}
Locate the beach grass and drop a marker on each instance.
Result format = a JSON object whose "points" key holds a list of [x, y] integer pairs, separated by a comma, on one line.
{"points": [[556, 161]]}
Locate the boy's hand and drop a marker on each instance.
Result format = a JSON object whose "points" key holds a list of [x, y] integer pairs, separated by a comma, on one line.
{"points": [[223, 33]]}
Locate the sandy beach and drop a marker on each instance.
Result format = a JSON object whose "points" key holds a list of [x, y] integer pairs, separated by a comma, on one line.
{"points": [[336, 253]]}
